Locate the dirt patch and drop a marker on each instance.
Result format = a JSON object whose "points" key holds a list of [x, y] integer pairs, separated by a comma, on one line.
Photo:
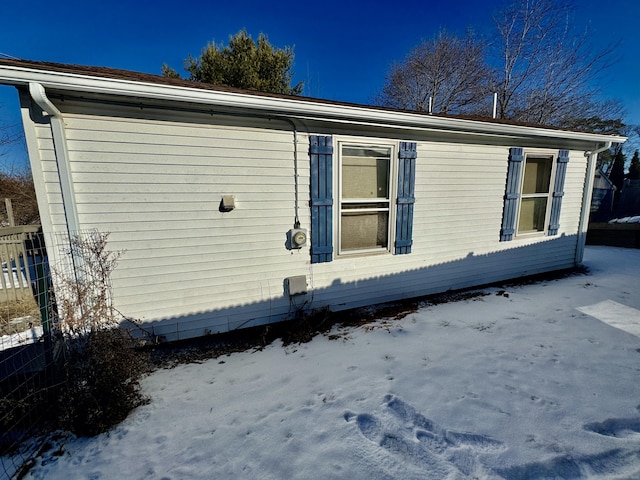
{"points": [[18, 315], [323, 321]]}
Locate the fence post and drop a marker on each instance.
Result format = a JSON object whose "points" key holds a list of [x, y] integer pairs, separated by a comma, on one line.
{"points": [[7, 204]]}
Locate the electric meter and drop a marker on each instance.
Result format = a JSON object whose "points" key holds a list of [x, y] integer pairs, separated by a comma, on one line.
{"points": [[297, 238]]}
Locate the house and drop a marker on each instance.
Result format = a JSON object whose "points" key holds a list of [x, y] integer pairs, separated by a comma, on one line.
{"points": [[602, 197], [238, 208], [619, 226], [629, 203]]}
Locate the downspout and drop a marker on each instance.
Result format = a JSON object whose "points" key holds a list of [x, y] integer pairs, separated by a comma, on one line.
{"points": [[56, 121], [592, 157], [61, 153]]}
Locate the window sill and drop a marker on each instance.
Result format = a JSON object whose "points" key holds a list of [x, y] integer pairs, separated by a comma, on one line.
{"points": [[363, 253], [526, 235]]}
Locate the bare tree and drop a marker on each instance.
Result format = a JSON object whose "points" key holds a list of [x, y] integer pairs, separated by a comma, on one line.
{"points": [[10, 135], [447, 70], [7, 138], [16, 183], [546, 69], [4, 137]]}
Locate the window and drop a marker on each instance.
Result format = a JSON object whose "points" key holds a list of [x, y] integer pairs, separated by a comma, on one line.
{"points": [[365, 198], [533, 198], [534, 203], [375, 192]]}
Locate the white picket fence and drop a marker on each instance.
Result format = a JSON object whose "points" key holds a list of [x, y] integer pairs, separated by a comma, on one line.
{"points": [[15, 281]]}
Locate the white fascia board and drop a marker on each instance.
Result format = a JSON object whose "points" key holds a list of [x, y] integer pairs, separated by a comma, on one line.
{"points": [[301, 108]]}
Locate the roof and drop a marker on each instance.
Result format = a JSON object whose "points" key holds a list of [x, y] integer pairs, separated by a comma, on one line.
{"points": [[62, 78]]}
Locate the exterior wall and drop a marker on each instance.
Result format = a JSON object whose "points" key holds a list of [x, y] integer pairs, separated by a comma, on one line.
{"points": [[154, 180], [156, 186], [456, 229]]}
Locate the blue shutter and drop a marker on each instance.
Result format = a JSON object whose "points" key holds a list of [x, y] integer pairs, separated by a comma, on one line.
{"points": [[406, 199], [512, 194], [558, 191], [321, 156]]}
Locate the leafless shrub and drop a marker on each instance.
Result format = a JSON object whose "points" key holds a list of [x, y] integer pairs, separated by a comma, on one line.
{"points": [[83, 288], [102, 367]]}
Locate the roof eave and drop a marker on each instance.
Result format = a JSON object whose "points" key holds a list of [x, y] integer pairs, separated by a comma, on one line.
{"points": [[295, 107]]}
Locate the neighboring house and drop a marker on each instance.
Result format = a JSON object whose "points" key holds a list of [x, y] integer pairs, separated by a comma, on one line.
{"points": [[629, 203], [603, 194], [239, 208]]}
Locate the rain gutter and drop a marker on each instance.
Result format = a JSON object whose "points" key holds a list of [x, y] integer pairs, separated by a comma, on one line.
{"points": [[299, 108]]}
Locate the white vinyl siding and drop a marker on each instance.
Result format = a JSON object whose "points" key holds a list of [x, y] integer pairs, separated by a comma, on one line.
{"points": [[156, 186], [459, 201]]}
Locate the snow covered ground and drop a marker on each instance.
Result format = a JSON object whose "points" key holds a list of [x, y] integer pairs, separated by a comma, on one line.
{"points": [[634, 219], [21, 338], [536, 381]]}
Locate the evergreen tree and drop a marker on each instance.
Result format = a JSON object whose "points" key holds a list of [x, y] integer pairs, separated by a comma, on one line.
{"points": [[243, 63], [616, 175], [634, 168], [169, 72]]}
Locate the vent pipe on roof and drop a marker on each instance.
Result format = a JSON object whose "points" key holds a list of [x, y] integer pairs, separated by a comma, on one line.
{"points": [[495, 104]]}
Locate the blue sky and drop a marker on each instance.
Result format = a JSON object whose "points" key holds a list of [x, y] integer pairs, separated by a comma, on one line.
{"points": [[342, 49]]}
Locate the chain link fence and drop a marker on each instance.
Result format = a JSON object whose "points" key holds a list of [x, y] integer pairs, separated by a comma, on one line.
{"points": [[27, 352]]}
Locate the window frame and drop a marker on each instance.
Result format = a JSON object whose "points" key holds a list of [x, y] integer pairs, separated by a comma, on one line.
{"points": [[536, 154], [391, 201]]}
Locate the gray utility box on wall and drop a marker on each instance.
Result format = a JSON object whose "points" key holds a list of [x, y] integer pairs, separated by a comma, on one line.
{"points": [[296, 285]]}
